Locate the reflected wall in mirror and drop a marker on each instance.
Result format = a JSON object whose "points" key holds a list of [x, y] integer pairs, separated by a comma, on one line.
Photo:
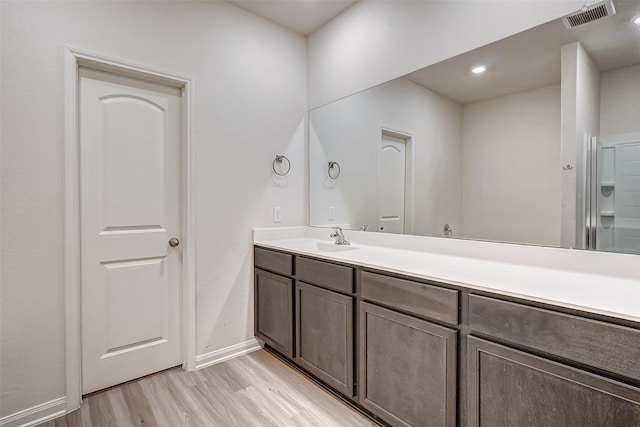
{"points": [[541, 148]]}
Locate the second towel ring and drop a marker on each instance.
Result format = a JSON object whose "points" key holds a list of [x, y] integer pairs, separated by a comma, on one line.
{"points": [[278, 160], [333, 170]]}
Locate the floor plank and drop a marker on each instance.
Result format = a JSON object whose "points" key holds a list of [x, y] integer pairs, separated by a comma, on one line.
{"points": [[256, 389]]}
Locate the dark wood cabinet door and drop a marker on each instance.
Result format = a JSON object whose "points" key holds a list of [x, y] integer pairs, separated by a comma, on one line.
{"points": [[508, 387], [324, 335], [407, 372], [274, 311]]}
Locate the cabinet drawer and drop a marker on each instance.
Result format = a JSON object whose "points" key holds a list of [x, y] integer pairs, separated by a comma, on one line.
{"points": [[419, 298], [332, 276], [599, 344], [273, 261]]}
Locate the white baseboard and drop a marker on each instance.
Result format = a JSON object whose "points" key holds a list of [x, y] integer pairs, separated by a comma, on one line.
{"points": [[226, 353], [55, 408], [37, 414]]}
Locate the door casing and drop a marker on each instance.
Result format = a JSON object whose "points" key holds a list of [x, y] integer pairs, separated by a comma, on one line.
{"points": [[73, 59]]}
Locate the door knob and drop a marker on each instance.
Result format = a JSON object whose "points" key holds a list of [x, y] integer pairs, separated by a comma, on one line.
{"points": [[173, 242]]}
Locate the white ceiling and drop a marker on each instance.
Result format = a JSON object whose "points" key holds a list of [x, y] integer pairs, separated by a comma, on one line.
{"points": [[531, 59], [302, 16], [524, 61]]}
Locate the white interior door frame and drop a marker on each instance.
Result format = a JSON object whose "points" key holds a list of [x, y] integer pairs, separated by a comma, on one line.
{"points": [[73, 59]]}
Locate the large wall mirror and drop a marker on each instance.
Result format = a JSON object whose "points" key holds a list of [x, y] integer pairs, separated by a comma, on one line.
{"points": [[541, 147]]}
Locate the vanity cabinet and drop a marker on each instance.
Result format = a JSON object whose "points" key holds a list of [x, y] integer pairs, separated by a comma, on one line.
{"points": [[546, 381], [324, 322], [324, 335], [408, 364], [274, 311], [274, 299], [421, 353], [508, 387], [602, 345], [407, 368], [304, 309]]}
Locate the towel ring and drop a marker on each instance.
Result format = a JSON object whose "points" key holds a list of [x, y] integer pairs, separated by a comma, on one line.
{"points": [[279, 160], [333, 166]]}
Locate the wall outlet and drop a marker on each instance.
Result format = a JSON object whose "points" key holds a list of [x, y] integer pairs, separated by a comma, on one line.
{"points": [[332, 213], [277, 214]]}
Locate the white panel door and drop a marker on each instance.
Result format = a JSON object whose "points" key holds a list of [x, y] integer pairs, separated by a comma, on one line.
{"points": [[391, 184], [130, 208]]}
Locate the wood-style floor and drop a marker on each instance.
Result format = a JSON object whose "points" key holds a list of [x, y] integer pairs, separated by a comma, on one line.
{"points": [[256, 389]]}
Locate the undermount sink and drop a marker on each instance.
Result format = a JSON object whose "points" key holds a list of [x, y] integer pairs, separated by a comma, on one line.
{"points": [[332, 247]]}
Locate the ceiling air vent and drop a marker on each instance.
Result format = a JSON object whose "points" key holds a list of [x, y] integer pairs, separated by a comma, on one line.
{"points": [[589, 14]]}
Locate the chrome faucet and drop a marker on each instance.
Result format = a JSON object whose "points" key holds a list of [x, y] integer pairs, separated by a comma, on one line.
{"points": [[337, 234]]}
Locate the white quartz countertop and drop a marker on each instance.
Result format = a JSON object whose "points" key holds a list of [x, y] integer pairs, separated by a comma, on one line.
{"points": [[602, 294]]}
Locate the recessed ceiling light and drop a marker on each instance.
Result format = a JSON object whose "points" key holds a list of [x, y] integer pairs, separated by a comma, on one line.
{"points": [[479, 69], [637, 20]]}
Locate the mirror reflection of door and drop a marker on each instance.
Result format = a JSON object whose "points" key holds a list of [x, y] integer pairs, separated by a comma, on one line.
{"points": [[391, 183]]}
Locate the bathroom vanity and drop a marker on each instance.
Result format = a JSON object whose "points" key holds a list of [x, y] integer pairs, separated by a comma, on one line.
{"points": [[408, 349], [418, 330]]}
